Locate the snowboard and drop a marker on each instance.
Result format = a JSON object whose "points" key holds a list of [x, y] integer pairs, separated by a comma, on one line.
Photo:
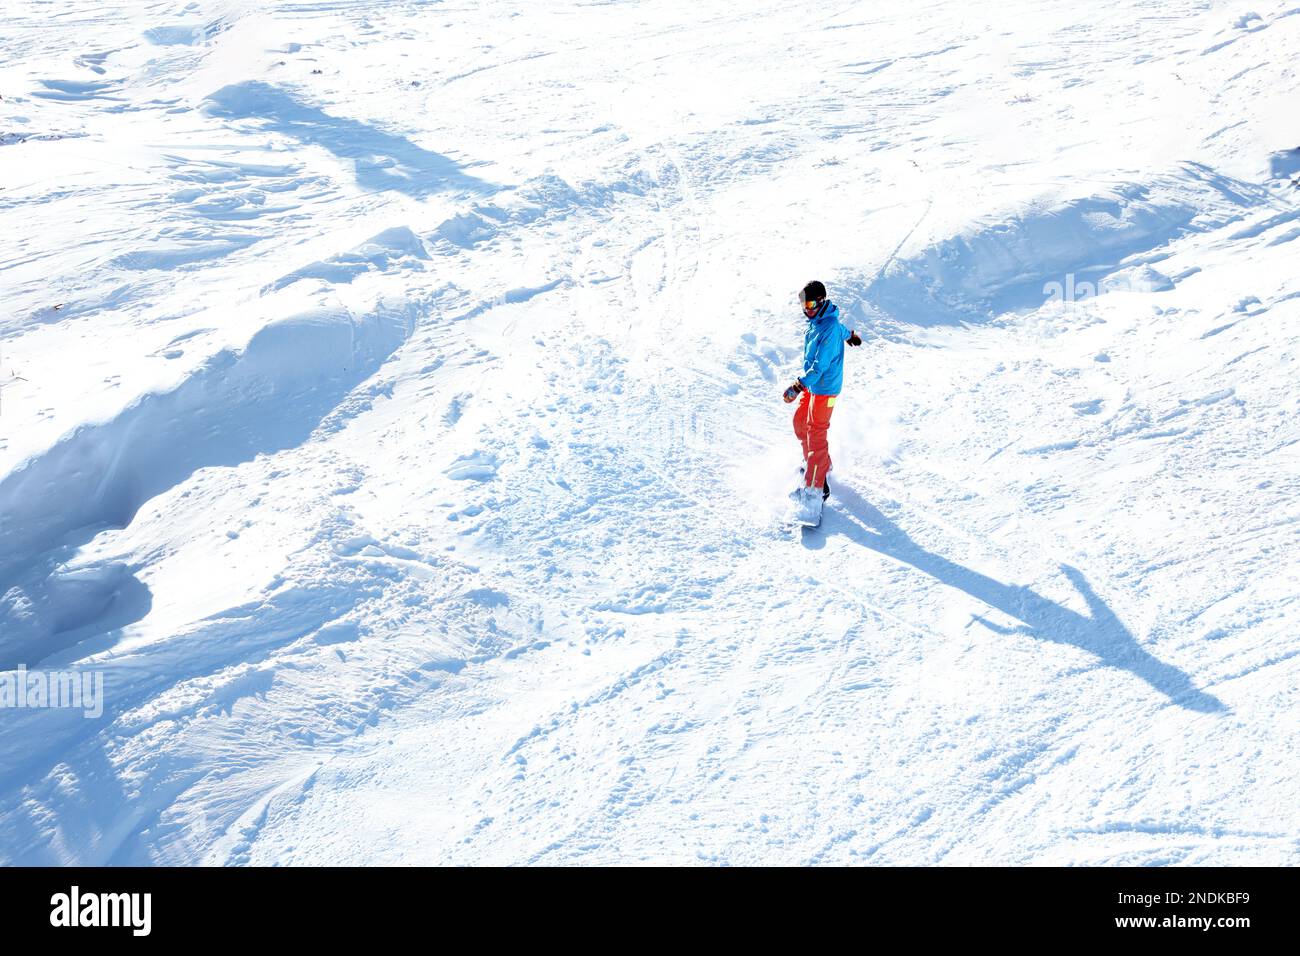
{"points": [[806, 514]]}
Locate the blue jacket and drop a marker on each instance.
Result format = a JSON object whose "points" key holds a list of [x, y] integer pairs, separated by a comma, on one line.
{"points": [[823, 351]]}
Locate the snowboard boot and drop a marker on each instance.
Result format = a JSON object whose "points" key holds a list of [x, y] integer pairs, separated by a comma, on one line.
{"points": [[826, 486], [807, 505]]}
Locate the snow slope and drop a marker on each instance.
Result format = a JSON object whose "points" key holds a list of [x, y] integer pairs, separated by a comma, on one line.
{"points": [[391, 415]]}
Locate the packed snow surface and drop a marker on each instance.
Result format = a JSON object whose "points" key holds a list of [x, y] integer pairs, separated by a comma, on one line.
{"points": [[390, 415]]}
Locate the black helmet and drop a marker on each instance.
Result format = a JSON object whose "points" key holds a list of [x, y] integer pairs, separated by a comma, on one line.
{"points": [[813, 292]]}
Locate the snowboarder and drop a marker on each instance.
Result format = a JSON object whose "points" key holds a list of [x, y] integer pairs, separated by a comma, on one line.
{"points": [[817, 389]]}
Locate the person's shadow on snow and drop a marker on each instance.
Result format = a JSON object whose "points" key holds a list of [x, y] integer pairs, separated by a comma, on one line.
{"points": [[1100, 632]]}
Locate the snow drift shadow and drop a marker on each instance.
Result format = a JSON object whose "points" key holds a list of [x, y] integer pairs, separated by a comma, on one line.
{"points": [[52, 609], [382, 161], [239, 404], [388, 251], [1011, 263], [1101, 633]]}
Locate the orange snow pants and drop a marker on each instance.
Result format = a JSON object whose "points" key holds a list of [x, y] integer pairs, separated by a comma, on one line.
{"points": [[812, 419]]}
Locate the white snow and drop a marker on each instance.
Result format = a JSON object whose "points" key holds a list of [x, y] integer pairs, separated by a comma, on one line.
{"points": [[390, 412]]}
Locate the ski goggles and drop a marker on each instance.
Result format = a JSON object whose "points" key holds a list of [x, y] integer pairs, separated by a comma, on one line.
{"points": [[811, 305]]}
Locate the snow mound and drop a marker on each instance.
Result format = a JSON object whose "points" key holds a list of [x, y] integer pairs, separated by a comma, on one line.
{"points": [[239, 404], [1019, 262], [392, 248]]}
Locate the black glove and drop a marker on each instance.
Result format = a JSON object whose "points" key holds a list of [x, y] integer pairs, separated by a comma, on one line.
{"points": [[792, 392], [854, 339]]}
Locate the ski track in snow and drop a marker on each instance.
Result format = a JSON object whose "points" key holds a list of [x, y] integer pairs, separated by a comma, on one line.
{"points": [[390, 416]]}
